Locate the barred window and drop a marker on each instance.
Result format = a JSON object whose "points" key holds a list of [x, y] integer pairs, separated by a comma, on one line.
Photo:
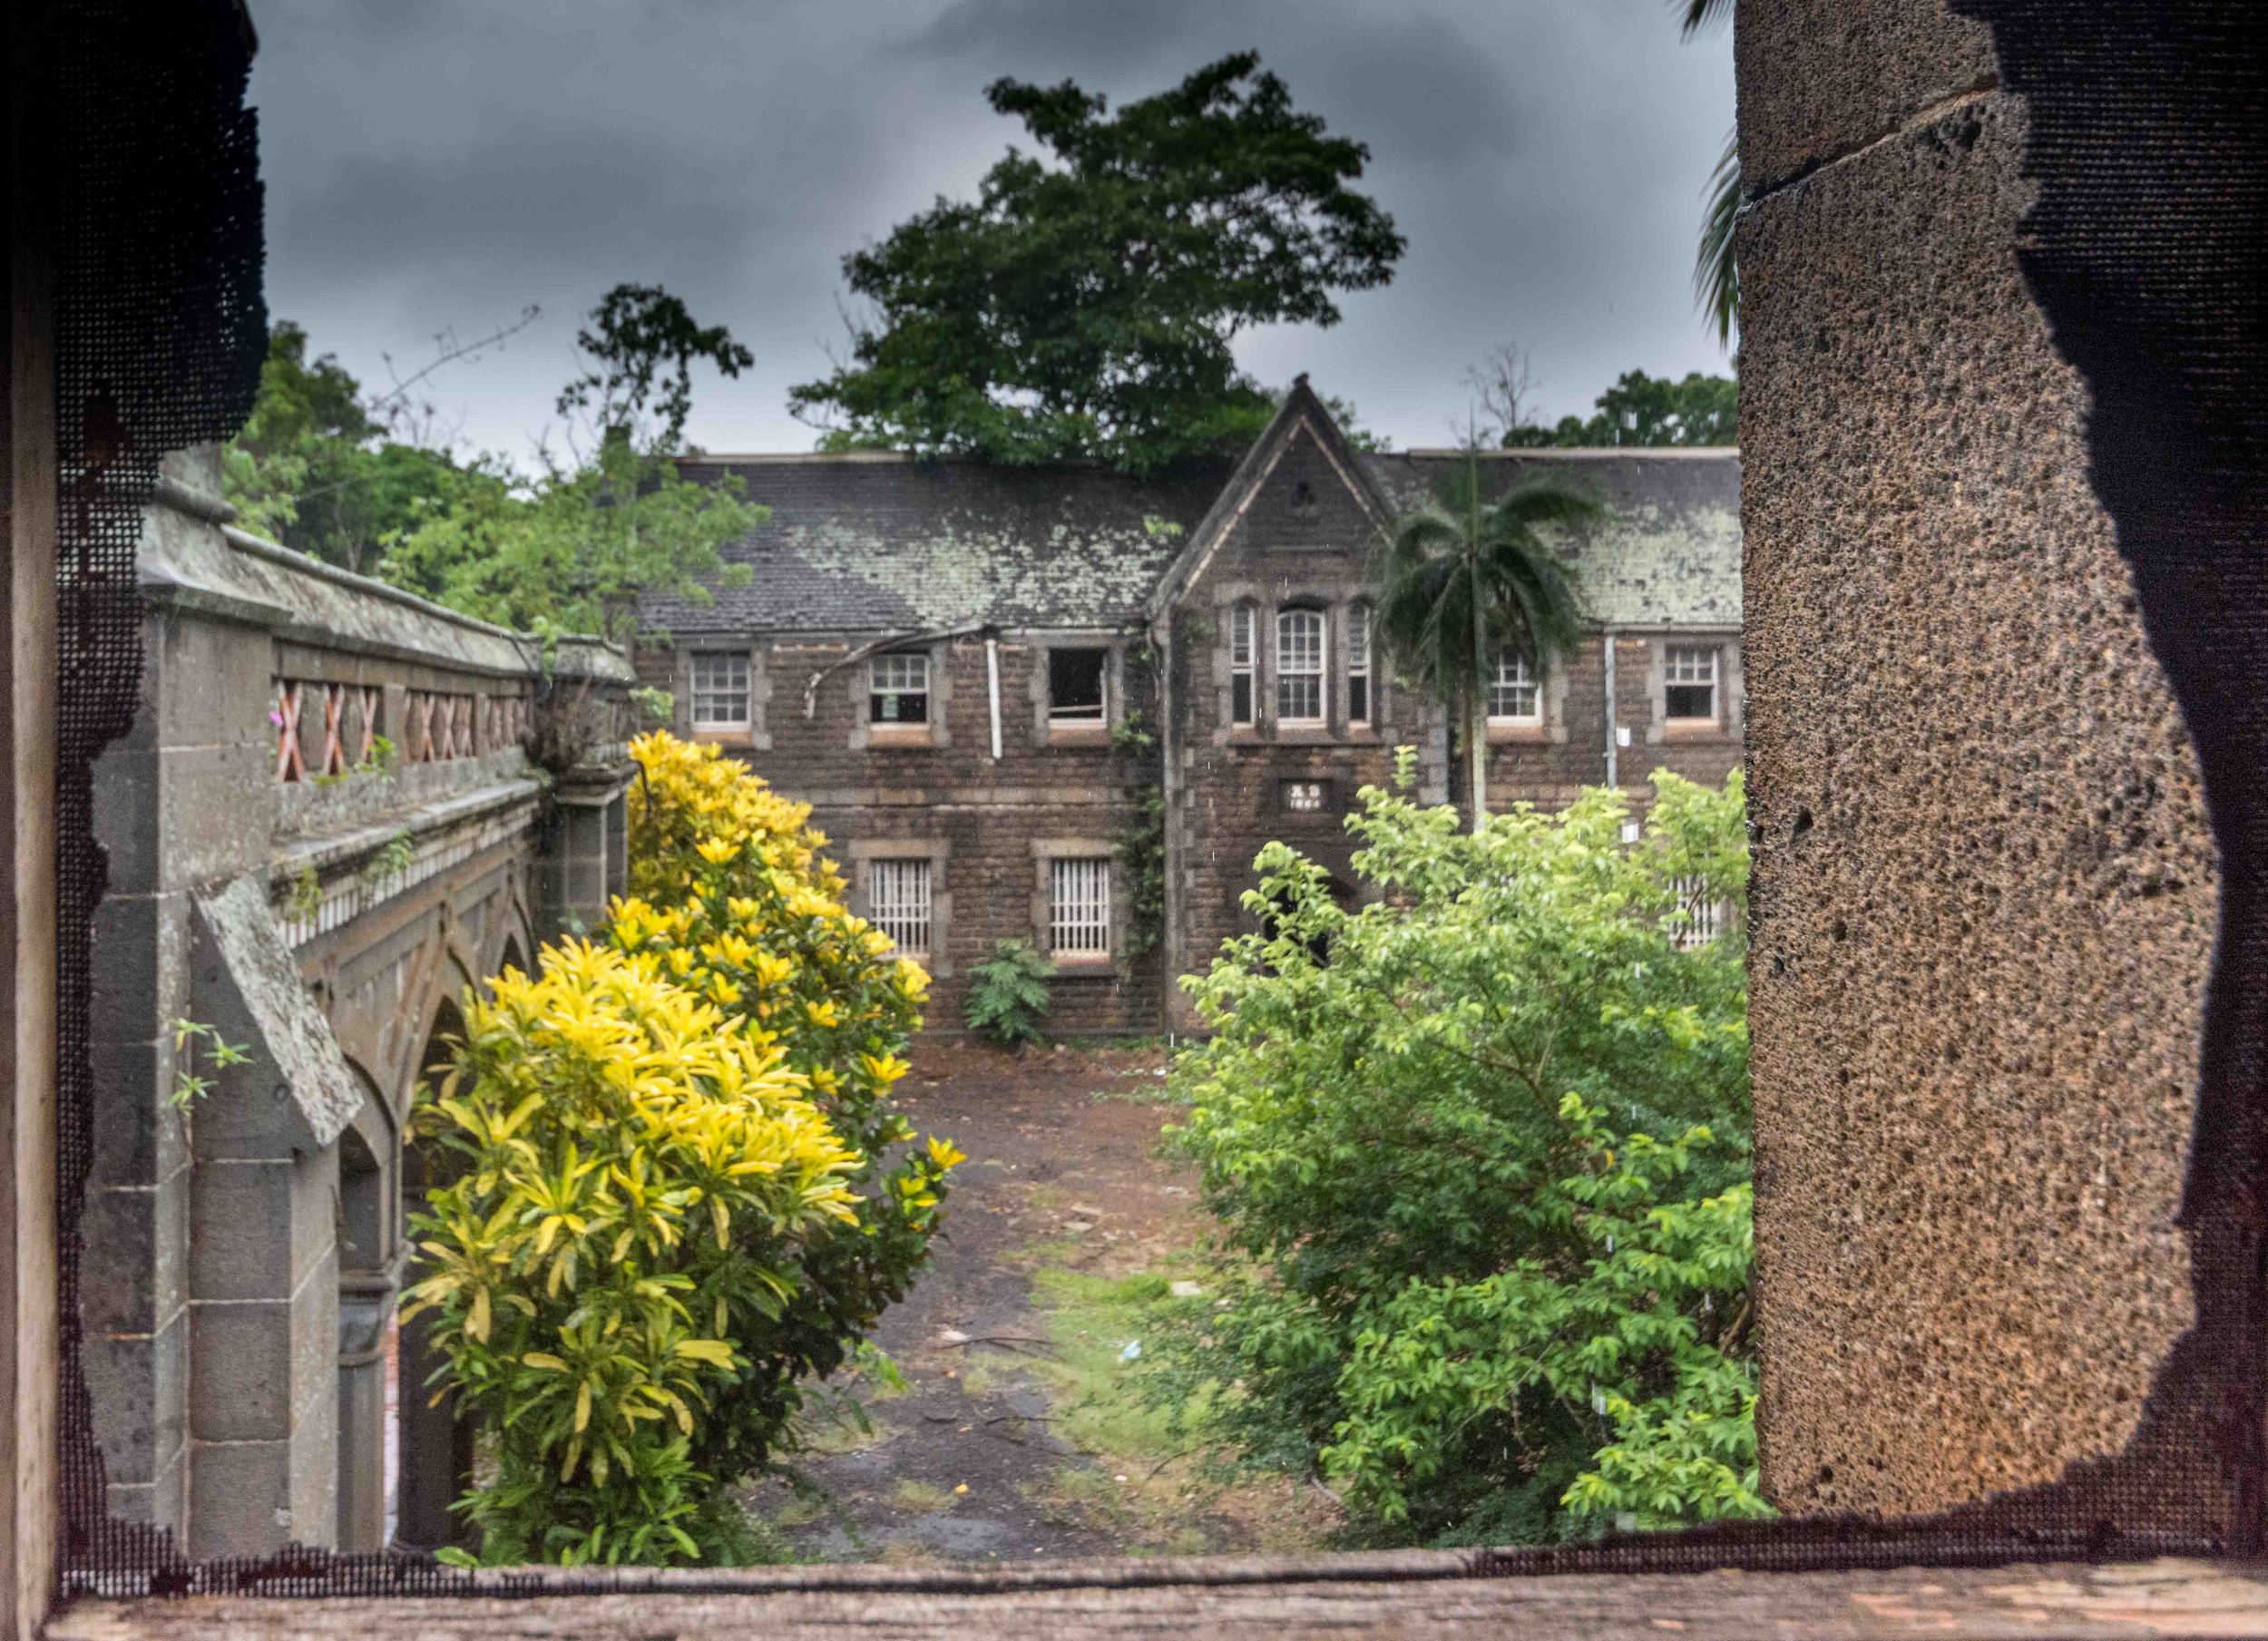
{"points": [[1513, 695], [1689, 681], [721, 691], [1240, 651], [1358, 664], [898, 688], [1699, 918], [1079, 919], [1299, 667], [898, 897]]}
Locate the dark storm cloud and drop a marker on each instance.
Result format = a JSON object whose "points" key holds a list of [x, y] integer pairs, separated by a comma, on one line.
{"points": [[432, 164]]}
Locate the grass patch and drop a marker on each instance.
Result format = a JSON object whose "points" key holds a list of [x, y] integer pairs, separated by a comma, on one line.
{"points": [[1054, 1251], [920, 1498]]}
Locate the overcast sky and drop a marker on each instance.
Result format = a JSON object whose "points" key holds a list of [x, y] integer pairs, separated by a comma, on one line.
{"points": [[443, 164]]}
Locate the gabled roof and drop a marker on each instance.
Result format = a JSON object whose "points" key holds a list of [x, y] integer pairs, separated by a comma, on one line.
{"points": [[881, 542], [1668, 557], [1302, 409]]}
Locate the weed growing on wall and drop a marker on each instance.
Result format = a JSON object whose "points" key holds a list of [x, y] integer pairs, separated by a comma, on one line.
{"points": [[683, 1196], [1480, 1155]]}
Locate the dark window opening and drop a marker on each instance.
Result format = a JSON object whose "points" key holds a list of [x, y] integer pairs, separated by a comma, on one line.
{"points": [[1302, 496], [1075, 685], [899, 689], [1240, 698]]}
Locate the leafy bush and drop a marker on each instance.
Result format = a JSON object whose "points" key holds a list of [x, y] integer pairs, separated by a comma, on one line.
{"points": [[677, 1203], [1007, 994], [1483, 1174]]}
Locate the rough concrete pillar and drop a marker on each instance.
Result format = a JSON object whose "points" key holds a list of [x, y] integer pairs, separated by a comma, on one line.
{"points": [[1985, 889]]}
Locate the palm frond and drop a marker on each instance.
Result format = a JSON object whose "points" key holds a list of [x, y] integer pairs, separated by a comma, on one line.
{"points": [[1715, 262], [1699, 14]]}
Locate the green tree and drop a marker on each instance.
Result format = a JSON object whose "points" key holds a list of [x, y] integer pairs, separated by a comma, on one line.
{"points": [[1481, 1173], [1084, 304], [1466, 575], [1644, 410], [317, 467], [567, 550]]}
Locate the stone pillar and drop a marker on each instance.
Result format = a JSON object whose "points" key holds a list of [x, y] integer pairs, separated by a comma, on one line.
{"points": [[1985, 890]]}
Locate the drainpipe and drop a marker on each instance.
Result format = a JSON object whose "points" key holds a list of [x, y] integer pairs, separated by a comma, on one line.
{"points": [[991, 688], [1614, 726]]}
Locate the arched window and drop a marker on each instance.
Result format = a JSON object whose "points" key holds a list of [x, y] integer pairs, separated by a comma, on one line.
{"points": [[1299, 667]]}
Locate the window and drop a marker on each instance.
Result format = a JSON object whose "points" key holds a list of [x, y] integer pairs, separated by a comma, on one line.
{"points": [[1358, 664], [1299, 667], [721, 691], [1689, 682], [898, 893], [1513, 695], [1079, 914], [1304, 797], [1075, 687], [1240, 664], [1698, 919], [899, 689]]}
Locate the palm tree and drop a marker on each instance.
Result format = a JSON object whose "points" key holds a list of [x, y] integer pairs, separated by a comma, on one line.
{"points": [[1465, 576], [1715, 264]]}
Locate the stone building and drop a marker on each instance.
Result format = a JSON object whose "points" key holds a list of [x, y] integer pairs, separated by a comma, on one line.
{"points": [[986, 681]]}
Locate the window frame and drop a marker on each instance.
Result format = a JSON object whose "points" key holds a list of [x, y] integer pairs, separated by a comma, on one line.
{"points": [[695, 691], [1085, 720], [1095, 912], [876, 692], [1286, 674], [1244, 633], [916, 868], [1361, 673], [1532, 680], [1673, 654]]}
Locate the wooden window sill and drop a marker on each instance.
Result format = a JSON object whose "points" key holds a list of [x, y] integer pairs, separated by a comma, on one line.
{"points": [[1079, 735], [1518, 735], [884, 735], [1691, 729]]}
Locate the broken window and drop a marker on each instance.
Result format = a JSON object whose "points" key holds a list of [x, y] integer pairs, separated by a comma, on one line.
{"points": [[898, 689], [1241, 625], [1075, 687]]}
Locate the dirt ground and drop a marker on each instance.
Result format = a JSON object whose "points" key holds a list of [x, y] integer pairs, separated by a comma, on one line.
{"points": [[1002, 1446]]}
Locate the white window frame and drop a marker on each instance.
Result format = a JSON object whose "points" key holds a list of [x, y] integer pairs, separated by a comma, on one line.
{"points": [[907, 672], [902, 901], [1687, 666], [1516, 670], [1358, 667], [1079, 908], [1299, 657], [1081, 718], [1243, 632], [706, 693]]}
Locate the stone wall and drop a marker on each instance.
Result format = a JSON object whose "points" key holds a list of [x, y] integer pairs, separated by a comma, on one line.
{"points": [[986, 823], [321, 828], [1984, 899]]}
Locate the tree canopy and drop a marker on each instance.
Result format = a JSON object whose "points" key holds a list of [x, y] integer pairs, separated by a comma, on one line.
{"points": [[1084, 304], [561, 549], [1639, 409]]}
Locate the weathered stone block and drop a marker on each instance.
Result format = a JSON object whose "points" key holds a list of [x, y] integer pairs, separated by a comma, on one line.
{"points": [[133, 1266], [241, 1371], [1820, 78], [240, 1498], [1984, 893], [247, 1216]]}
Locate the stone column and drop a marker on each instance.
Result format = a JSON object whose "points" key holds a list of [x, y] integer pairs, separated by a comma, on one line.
{"points": [[1985, 889]]}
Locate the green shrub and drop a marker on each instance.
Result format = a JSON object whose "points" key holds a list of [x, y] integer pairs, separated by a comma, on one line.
{"points": [[1007, 994], [1483, 1174], [682, 1196]]}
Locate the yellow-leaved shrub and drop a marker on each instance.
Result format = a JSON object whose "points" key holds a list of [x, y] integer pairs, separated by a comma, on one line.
{"points": [[678, 1194]]}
